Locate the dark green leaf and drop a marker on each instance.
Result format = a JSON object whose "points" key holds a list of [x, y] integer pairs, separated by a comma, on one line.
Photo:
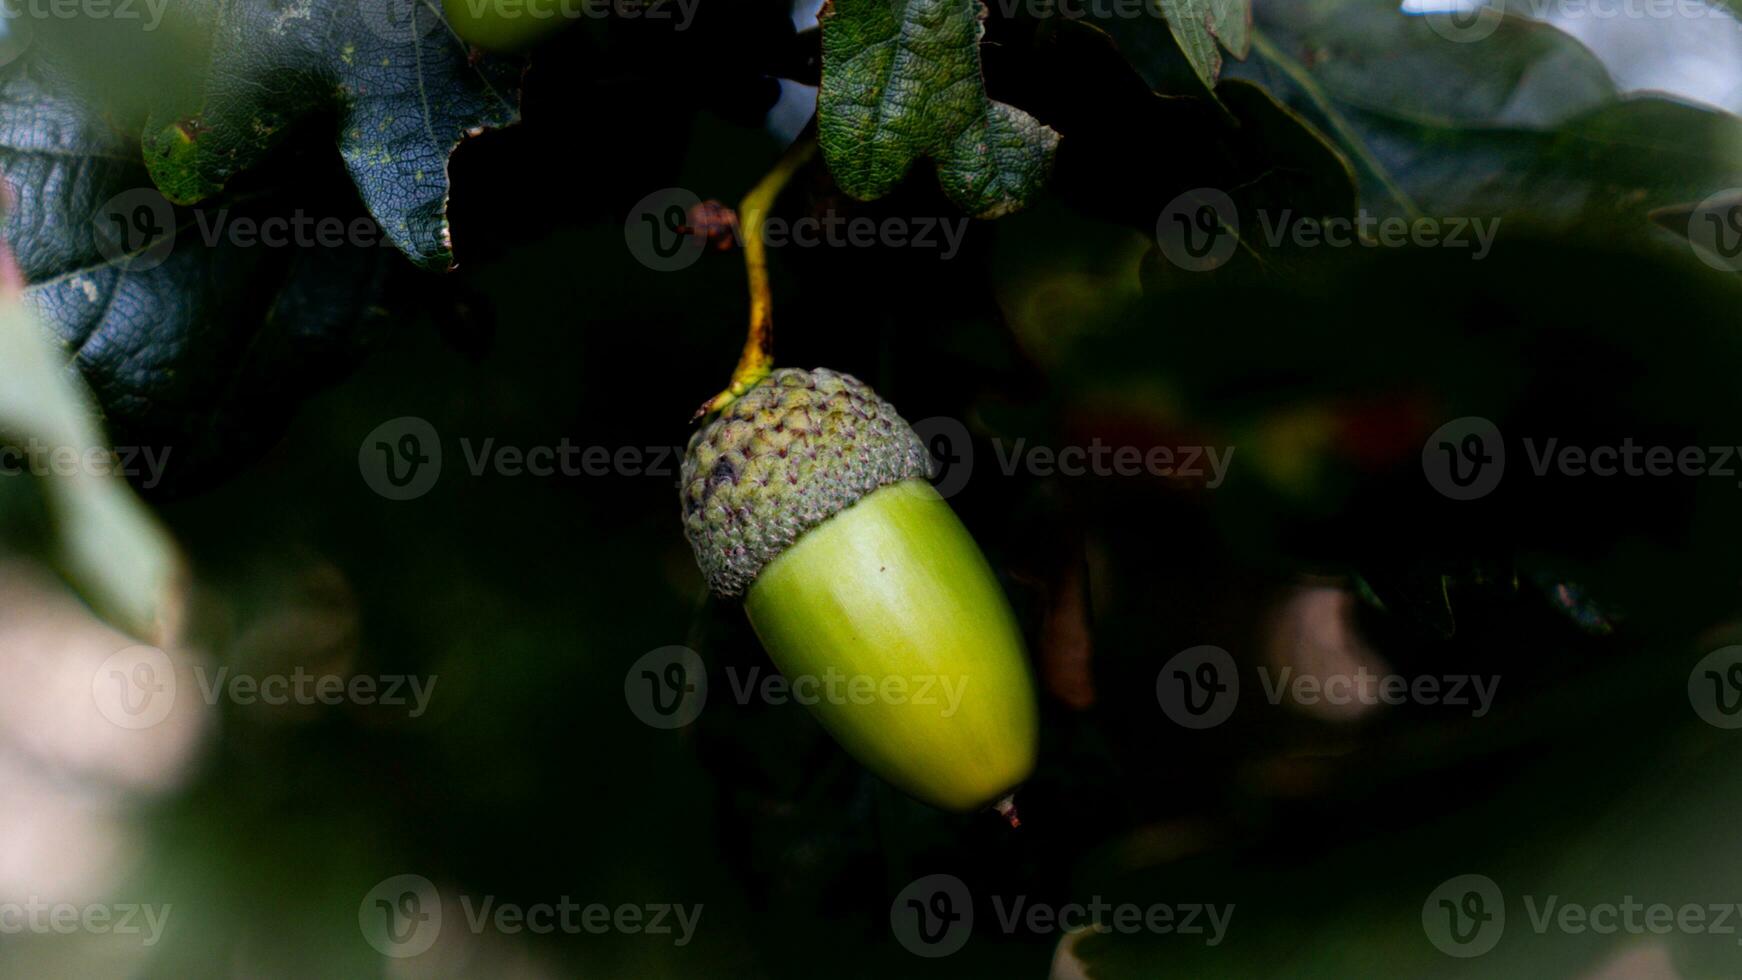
{"points": [[1526, 123], [901, 80], [1197, 25], [198, 347], [403, 90]]}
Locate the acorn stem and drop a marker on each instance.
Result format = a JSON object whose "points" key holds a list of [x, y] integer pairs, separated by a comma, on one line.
{"points": [[757, 359]]}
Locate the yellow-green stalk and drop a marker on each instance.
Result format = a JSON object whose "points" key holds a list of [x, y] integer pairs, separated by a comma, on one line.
{"points": [[808, 497]]}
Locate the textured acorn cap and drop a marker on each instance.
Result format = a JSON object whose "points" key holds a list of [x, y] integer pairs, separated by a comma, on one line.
{"points": [[789, 454]]}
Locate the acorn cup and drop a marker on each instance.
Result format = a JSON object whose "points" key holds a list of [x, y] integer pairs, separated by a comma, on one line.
{"points": [[809, 497]]}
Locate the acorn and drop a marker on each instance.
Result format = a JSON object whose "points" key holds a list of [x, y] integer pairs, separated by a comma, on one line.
{"points": [[810, 498]]}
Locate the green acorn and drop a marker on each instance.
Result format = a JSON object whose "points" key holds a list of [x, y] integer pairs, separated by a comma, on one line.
{"points": [[809, 497]]}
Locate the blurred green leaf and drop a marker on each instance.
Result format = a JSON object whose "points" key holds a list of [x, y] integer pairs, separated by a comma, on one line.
{"points": [[109, 545]]}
